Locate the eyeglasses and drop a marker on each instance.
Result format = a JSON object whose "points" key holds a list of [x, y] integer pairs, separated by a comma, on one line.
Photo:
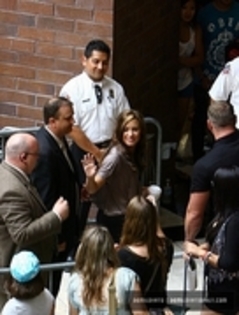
{"points": [[33, 153], [98, 94]]}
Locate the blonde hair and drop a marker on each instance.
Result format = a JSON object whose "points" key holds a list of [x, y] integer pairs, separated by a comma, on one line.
{"points": [[94, 257]]}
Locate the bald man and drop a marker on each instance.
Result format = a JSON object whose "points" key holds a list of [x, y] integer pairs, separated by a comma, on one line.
{"points": [[25, 223]]}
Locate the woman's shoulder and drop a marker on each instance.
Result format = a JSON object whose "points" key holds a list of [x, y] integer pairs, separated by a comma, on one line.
{"points": [[125, 271], [75, 279]]}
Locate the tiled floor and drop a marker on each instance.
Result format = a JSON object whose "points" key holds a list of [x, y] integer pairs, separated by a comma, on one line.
{"points": [[175, 282]]}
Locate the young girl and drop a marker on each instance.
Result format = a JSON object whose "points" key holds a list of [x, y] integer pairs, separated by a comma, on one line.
{"points": [[97, 267], [145, 249], [116, 179], [28, 295], [190, 56]]}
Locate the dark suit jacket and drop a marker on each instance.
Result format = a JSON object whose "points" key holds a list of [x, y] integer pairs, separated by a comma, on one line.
{"points": [[53, 178], [24, 220]]}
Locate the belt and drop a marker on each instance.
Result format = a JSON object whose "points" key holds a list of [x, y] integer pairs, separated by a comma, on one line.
{"points": [[103, 144]]}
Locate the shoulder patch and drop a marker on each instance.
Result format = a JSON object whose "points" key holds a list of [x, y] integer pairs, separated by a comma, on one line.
{"points": [[226, 69]]}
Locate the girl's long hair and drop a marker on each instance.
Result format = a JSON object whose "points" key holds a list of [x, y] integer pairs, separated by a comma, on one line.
{"points": [[226, 198], [124, 118], [140, 228], [94, 257]]}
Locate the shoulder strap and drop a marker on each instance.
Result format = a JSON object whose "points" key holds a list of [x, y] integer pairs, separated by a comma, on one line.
{"points": [[152, 278], [112, 295]]}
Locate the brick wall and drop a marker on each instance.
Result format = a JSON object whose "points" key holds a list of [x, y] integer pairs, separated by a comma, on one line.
{"points": [[41, 43]]}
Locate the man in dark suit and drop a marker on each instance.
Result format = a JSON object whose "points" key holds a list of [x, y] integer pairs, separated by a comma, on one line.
{"points": [[56, 173], [25, 223]]}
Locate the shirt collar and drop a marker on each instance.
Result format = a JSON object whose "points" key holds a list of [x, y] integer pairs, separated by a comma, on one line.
{"points": [[57, 139], [93, 83]]}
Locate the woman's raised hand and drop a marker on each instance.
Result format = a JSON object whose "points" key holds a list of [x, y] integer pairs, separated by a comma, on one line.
{"points": [[89, 165]]}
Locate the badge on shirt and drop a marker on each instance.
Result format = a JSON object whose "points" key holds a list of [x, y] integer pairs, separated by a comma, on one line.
{"points": [[226, 69], [111, 93]]}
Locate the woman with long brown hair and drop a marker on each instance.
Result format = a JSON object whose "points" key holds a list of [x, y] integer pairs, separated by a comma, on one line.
{"points": [[97, 267], [115, 180], [145, 249]]}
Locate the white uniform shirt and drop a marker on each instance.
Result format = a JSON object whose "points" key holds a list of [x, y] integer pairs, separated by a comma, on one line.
{"points": [[227, 83], [185, 76], [97, 121]]}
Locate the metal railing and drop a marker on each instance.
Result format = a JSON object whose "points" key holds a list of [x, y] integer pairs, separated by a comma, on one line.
{"points": [[153, 167], [64, 266]]}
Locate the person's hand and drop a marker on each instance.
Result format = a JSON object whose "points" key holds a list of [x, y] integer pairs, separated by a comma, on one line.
{"points": [[191, 249], [61, 208], [89, 165], [167, 311], [152, 199]]}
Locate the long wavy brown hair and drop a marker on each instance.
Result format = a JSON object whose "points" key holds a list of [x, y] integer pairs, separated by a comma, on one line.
{"points": [[138, 157], [94, 257], [140, 228]]}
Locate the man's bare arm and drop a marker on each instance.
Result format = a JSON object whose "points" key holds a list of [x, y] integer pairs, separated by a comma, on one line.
{"points": [[194, 213], [79, 137]]}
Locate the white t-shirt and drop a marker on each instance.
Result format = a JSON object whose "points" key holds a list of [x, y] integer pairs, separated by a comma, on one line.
{"points": [[39, 305], [97, 121], [227, 85], [185, 76]]}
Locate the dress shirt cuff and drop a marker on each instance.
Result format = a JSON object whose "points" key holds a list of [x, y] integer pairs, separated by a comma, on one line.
{"points": [[57, 214]]}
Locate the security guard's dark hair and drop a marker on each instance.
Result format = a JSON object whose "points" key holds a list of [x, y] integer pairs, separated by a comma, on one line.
{"points": [[98, 45]]}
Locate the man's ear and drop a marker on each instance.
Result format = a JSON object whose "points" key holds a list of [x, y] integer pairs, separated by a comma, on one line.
{"points": [[23, 156], [83, 60], [209, 125]]}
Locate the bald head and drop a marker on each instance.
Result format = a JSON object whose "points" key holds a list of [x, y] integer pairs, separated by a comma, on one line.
{"points": [[21, 150]]}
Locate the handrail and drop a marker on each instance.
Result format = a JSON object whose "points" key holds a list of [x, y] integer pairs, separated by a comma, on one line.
{"points": [[8, 131]]}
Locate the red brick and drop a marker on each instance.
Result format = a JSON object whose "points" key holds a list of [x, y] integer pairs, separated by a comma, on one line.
{"points": [[36, 87], [57, 89], [35, 7], [10, 96], [52, 76], [55, 24], [8, 56], [17, 71], [8, 4], [71, 67], [73, 13], [36, 34], [76, 40], [54, 50], [104, 4], [17, 18], [95, 30], [70, 2], [5, 43], [7, 109], [15, 122], [89, 4], [8, 30], [23, 45], [36, 61], [104, 17], [7, 82], [41, 101], [29, 112]]}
